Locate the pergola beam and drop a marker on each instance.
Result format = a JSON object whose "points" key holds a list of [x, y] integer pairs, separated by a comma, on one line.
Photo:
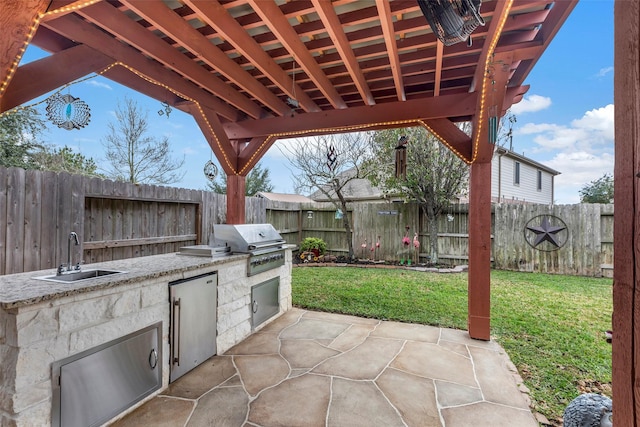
{"points": [[332, 24], [44, 75], [279, 25], [386, 22], [379, 116], [164, 19], [217, 17], [112, 20], [77, 29]]}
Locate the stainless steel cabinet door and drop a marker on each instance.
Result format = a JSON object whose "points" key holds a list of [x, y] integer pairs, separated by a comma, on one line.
{"points": [[193, 323], [98, 384]]}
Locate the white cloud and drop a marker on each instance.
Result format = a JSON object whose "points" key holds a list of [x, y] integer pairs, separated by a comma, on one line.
{"points": [[531, 104], [583, 149], [96, 83], [594, 129], [604, 71]]}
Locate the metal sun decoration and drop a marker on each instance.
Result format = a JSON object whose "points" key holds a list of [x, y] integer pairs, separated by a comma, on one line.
{"points": [[68, 112], [210, 170]]}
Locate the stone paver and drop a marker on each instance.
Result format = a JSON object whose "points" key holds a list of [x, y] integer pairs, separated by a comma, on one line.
{"points": [[222, 407], [203, 378], [433, 361], [260, 372], [319, 369], [360, 403], [486, 414], [160, 411], [301, 401], [413, 396], [364, 362]]}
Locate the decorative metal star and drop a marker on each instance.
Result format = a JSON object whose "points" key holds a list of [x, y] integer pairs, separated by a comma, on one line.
{"points": [[546, 232]]}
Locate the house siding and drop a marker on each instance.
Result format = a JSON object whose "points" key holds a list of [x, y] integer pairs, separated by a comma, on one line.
{"points": [[504, 188]]}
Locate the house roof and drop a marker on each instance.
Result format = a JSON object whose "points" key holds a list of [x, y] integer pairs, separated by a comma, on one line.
{"points": [[283, 197], [523, 159], [355, 190]]}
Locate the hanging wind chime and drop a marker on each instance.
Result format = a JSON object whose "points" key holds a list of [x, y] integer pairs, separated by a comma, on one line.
{"points": [[68, 112], [331, 158], [401, 158]]}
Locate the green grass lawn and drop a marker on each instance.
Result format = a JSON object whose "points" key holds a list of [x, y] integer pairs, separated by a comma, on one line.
{"points": [[551, 326]]}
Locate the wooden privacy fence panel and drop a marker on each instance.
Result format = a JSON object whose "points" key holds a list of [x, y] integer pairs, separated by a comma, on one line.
{"points": [[113, 220], [387, 220], [588, 250]]}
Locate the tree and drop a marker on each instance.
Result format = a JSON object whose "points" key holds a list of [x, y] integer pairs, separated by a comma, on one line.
{"points": [[351, 154], [65, 160], [134, 157], [19, 133], [435, 176], [598, 191], [257, 181]]}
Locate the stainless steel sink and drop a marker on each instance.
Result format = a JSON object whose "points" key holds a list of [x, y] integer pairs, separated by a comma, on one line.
{"points": [[76, 276]]}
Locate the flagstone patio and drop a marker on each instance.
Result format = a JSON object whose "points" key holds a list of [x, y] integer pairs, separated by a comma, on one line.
{"points": [[319, 369]]}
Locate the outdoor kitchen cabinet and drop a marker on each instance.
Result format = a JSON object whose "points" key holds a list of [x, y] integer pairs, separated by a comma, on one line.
{"points": [[193, 322], [265, 301], [95, 385]]}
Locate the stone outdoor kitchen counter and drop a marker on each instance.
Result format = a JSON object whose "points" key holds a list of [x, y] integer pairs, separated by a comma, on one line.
{"points": [[42, 322], [22, 289]]}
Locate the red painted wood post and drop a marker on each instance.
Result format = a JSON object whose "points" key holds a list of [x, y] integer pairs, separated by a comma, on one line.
{"points": [[479, 279], [235, 199], [17, 18], [626, 277]]}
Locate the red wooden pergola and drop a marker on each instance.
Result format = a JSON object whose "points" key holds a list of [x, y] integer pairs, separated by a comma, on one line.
{"points": [[253, 71]]}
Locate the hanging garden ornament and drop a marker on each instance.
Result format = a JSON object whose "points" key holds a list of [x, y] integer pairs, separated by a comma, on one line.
{"points": [[210, 170], [331, 158], [68, 112]]}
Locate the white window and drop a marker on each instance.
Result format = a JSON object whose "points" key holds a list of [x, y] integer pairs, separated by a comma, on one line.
{"points": [[516, 174], [539, 185]]}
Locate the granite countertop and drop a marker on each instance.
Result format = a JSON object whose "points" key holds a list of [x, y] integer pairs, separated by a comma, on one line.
{"points": [[17, 290]]}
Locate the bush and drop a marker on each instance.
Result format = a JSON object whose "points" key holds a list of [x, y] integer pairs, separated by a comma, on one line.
{"points": [[310, 243]]}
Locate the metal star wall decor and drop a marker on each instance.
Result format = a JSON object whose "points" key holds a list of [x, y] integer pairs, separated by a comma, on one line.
{"points": [[68, 112], [546, 228]]}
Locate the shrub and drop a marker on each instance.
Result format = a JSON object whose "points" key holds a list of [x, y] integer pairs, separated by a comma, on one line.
{"points": [[310, 243]]}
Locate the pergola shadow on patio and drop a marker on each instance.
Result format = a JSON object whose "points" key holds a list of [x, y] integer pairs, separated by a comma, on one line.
{"points": [[319, 369]]}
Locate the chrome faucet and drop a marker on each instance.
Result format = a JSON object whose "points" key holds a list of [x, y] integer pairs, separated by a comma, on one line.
{"points": [[72, 237]]}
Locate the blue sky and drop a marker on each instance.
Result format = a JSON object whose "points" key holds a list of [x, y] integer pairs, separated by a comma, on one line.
{"points": [[565, 120]]}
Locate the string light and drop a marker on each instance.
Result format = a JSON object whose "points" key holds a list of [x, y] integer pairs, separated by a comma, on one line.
{"points": [[70, 8], [32, 30], [485, 81]]}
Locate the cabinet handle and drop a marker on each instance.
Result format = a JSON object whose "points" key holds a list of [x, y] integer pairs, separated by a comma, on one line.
{"points": [[254, 306], [175, 348], [153, 358]]}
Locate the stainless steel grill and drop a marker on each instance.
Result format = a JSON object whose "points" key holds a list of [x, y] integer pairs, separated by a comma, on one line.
{"points": [[261, 241]]}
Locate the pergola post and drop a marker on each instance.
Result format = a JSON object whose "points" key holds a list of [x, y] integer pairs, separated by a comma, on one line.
{"points": [[235, 199], [479, 278], [626, 276]]}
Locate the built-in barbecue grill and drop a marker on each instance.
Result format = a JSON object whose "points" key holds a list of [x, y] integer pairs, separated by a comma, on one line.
{"points": [[261, 241]]}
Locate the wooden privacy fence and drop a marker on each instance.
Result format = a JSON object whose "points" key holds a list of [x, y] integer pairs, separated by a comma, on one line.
{"points": [[113, 220], [117, 220], [587, 251]]}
